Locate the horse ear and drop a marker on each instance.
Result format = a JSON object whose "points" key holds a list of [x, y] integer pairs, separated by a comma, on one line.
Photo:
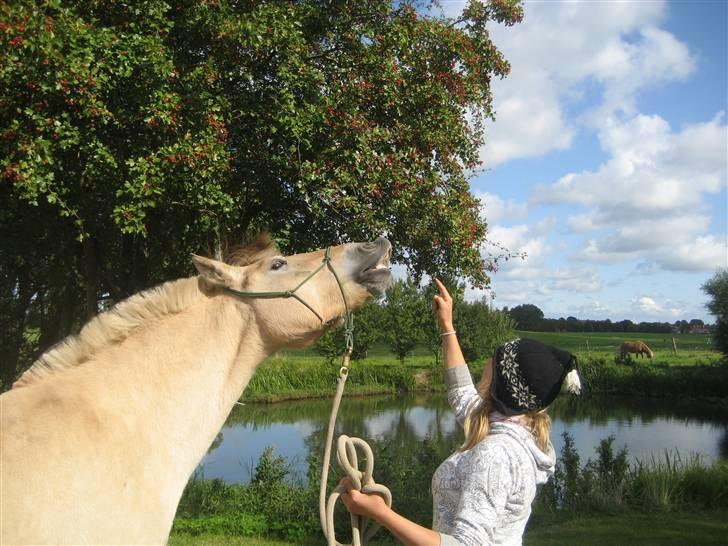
{"points": [[215, 272]]}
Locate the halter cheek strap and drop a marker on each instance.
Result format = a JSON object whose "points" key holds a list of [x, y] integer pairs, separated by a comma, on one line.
{"points": [[326, 262]]}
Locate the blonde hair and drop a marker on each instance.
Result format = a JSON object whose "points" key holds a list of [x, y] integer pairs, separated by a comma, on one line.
{"points": [[476, 425]]}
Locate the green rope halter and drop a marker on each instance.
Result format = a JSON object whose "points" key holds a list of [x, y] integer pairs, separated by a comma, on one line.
{"points": [[326, 262]]}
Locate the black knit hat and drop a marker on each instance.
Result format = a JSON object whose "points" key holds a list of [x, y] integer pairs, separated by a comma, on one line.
{"points": [[528, 374]]}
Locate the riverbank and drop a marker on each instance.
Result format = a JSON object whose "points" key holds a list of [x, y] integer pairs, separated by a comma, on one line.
{"points": [[292, 376], [275, 504], [673, 529]]}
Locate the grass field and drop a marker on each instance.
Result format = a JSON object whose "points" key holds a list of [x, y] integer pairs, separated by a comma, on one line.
{"points": [[610, 341], [691, 348], [668, 529]]}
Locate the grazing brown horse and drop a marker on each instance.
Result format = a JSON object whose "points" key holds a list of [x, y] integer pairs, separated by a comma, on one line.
{"points": [[99, 437], [640, 348]]}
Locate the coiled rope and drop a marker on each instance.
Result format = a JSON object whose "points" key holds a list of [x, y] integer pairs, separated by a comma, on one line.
{"points": [[362, 528]]}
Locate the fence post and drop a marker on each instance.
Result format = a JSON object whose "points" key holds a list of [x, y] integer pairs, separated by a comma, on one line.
{"points": [[674, 347], [588, 350]]}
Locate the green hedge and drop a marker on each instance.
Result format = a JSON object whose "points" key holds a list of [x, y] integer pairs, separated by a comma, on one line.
{"points": [[642, 378]]}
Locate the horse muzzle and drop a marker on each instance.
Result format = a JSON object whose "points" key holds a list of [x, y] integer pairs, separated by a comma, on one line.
{"points": [[373, 272]]}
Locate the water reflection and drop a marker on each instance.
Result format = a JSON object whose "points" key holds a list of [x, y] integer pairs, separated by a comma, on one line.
{"points": [[646, 427]]}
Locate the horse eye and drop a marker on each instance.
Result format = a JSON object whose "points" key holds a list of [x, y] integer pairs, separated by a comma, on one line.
{"points": [[277, 264]]}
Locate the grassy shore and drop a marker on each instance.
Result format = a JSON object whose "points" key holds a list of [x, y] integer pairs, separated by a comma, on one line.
{"points": [[611, 491], [673, 529]]}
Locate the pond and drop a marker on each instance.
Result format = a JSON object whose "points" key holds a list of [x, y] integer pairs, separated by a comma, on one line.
{"points": [[647, 427]]}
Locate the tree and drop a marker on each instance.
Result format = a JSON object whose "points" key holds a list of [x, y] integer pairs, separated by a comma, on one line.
{"points": [[403, 312], [132, 134], [527, 316], [481, 330], [367, 331], [717, 288], [428, 325]]}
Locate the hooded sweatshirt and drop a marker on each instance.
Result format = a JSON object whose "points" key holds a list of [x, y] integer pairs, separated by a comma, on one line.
{"points": [[483, 496]]}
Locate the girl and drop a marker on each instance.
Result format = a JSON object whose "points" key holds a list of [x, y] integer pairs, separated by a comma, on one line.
{"points": [[482, 493]]}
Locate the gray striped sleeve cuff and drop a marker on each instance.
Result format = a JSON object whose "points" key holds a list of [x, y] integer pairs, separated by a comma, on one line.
{"points": [[459, 376]]}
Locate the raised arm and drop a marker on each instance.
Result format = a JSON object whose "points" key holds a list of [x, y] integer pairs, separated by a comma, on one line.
{"points": [[461, 393], [442, 306]]}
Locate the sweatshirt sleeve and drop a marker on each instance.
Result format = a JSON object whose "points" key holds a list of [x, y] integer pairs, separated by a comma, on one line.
{"points": [[461, 393], [482, 500]]}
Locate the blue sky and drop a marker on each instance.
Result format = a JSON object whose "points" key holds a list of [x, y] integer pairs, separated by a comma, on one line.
{"points": [[607, 160]]}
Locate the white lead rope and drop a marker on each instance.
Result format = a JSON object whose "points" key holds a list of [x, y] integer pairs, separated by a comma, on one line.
{"points": [[362, 529]]}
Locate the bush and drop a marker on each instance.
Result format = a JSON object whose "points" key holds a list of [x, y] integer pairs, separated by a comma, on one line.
{"points": [[367, 331], [645, 379], [717, 289], [481, 330]]}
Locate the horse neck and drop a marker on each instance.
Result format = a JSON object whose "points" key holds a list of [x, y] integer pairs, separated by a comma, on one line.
{"points": [[176, 381]]}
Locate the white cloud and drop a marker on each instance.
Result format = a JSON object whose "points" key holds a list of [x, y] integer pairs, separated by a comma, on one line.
{"points": [[705, 253], [650, 307], [591, 309], [651, 168], [574, 280], [529, 121], [520, 238], [648, 201], [495, 209], [624, 68], [616, 47]]}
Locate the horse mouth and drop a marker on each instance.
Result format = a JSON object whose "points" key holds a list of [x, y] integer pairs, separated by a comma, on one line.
{"points": [[376, 275]]}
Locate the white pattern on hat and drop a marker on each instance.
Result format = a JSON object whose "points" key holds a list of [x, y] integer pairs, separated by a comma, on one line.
{"points": [[514, 380]]}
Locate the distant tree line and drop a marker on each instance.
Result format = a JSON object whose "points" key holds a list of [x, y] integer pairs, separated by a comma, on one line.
{"points": [[530, 317]]}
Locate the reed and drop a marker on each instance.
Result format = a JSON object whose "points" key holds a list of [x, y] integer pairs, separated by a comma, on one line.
{"points": [[610, 483], [672, 482]]}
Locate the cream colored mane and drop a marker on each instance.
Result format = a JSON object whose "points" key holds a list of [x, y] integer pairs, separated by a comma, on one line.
{"points": [[113, 326], [122, 320]]}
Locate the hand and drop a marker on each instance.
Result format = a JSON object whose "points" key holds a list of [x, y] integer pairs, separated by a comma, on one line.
{"points": [[442, 306], [369, 505]]}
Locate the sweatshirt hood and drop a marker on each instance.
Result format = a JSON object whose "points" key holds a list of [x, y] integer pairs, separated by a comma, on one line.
{"points": [[544, 463]]}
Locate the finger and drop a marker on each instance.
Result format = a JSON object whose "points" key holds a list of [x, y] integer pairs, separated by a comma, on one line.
{"points": [[349, 486], [346, 499], [443, 291]]}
